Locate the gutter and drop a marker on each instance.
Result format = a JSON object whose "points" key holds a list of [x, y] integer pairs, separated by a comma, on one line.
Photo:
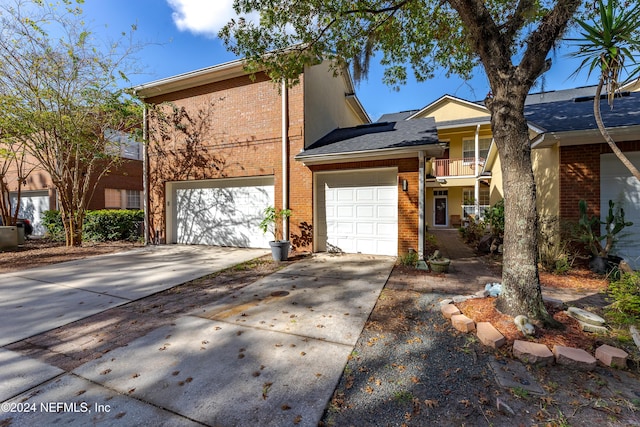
{"points": [[285, 158], [145, 173]]}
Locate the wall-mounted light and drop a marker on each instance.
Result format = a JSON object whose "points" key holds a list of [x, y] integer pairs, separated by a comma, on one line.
{"points": [[441, 181], [405, 185]]}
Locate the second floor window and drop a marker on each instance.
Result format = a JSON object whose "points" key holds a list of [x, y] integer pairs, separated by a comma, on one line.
{"points": [[469, 148]]}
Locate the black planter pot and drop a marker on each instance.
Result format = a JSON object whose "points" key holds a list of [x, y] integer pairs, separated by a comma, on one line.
{"points": [[280, 250], [604, 265]]}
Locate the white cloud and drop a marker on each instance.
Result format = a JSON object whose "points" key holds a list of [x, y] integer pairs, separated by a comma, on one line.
{"points": [[204, 17]]}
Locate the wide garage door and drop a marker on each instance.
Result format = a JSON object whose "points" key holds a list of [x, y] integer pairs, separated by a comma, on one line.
{"points": [[617, 184], [357, 212], [32, 206], [221, 212]]}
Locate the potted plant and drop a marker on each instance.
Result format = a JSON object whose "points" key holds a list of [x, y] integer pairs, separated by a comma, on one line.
{"points": [[601, 245], [272, 222], [438, 263]]}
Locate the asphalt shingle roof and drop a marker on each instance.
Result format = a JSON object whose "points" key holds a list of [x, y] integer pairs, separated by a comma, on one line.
{"points": [[396, 117], [562, 116], [376, 136]]}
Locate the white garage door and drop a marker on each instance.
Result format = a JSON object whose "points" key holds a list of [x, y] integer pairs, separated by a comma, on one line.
{"points": [[357, 212], [32, 206], [224, 212], [617, 184]]}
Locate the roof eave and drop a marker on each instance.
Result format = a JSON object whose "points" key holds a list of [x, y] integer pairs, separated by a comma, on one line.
{"points": [[585, 136], [385, 153], [191, 79]]}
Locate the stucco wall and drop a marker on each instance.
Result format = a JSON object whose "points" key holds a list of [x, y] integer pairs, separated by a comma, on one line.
{"points": [[324, 103]]}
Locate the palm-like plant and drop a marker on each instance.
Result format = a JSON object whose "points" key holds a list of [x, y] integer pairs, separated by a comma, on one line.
{"points": [[610, 45]]}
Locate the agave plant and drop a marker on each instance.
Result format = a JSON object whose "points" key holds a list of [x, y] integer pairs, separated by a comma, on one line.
{"points": [[609, 45]]}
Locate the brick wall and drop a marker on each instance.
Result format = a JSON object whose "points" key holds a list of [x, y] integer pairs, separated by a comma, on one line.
{"points": [[126, 176], [580, 176], [407, 201], [229, 129]]}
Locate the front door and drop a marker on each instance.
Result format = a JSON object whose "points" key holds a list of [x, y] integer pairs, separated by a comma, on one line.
{"points": [[440, 216]]}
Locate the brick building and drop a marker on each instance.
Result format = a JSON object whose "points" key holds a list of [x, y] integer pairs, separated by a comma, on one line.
{"points": [[120, 188]]}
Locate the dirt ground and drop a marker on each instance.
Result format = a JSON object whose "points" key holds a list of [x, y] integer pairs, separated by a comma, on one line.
{"points": [[40, 252], [400, 321]]}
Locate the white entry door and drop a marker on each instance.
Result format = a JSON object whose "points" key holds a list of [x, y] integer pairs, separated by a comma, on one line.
{"points": [[357, 212]]}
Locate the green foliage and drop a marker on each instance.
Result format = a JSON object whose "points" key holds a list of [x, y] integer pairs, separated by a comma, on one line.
{"points": [[494, 217], [473, 232], [409, 259], [625, 293], [99, 226], [609, 44], [553, 248], [589, 229], [112, 224], [52, 222], [417, 36], [272, 221]]}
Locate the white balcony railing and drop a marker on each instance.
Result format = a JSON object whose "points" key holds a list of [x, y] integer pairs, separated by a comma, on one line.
{"points": [[443, 168]]}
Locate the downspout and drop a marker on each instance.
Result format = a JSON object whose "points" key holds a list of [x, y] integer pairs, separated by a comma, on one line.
{"points": [[476, 189], [285, 158], [145, 173], [421, 205]]}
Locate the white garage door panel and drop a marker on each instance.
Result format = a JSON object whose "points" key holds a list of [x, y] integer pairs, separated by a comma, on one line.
{"points": [[32, 207], [617, 184], [357, 212], [222, 213]]}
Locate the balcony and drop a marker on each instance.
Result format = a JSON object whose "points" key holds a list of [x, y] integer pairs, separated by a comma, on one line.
{"points": [[444, 168]]}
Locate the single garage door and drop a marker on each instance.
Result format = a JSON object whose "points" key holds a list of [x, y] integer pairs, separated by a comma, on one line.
{"points": [[617, 184], [223, 212], [357, 212], [32, 206]]}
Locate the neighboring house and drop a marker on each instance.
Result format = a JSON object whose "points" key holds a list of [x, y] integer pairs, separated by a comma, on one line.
{"points": [[121, 188], [223, 146], [571, 161]]}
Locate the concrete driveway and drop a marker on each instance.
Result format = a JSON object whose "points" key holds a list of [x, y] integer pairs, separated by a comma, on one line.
{"points": [[270, 354], [40, 299]]}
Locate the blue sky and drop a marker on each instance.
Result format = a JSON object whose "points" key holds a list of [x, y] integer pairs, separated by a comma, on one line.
{"points": [[180, 37]]}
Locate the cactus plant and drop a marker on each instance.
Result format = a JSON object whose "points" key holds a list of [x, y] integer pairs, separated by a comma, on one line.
{"points": [[589, 228]]}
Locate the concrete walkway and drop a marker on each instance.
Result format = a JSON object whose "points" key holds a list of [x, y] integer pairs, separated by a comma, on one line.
{"points": [[270, 354], [36, 300]]}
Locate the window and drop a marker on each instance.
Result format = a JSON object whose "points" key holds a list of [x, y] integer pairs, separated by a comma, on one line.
{"points": [[112, 199], [121, 199], [469, 148], [468, 201], [133, 199]]}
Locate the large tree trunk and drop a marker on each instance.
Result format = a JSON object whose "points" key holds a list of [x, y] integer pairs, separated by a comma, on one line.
{"points": [[521, 293]]}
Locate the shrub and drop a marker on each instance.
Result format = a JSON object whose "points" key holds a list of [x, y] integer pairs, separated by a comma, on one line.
{"points": [[625, 293], [553, 249], [112, 224], [52, 222], [99, 226], [410, 259], [473, 232], [494, 217]]}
